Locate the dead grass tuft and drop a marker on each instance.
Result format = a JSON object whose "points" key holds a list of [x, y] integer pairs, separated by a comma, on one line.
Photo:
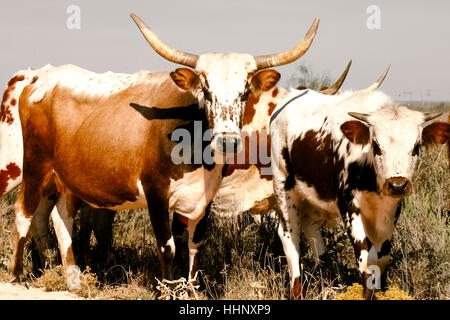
{"points": [[53, 280]]}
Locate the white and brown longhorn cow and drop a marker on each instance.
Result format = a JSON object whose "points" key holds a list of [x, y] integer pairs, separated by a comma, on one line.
{"points": [[83, 141], [329, 161], [244, 187]]}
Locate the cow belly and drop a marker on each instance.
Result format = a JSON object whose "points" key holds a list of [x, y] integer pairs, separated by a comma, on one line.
{"points": [[328, 208], [189, 195], [244, 190], [139, 203]]}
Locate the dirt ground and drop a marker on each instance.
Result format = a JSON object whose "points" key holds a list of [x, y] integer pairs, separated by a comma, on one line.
{"points": [[10, 291]]}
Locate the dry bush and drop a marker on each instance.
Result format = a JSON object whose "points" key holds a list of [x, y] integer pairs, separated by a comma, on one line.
{"points": [[180, 289], [53, 280]]}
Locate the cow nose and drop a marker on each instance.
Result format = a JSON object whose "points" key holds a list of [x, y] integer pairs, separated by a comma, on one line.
{"points": [[228, 143], [398, 186]]}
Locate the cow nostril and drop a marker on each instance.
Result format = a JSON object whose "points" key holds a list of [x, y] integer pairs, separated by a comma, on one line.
{"points": [[221, 142], [231, 144], [397, 185], [237, 143]]}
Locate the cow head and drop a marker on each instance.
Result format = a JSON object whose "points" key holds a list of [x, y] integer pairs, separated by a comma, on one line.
{"points": [[222, 82], [395, 135]]}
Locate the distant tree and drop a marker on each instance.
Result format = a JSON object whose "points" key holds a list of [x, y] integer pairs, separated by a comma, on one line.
{"points": [[306, 77]]}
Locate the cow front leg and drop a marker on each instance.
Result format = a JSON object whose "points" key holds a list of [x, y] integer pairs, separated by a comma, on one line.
{"points": [[384, 250], [160, 219], [383, 262], [365, 253], [196, 239]]}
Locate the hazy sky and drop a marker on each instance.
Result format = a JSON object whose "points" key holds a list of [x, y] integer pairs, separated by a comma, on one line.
{"points": [[414, 37]]}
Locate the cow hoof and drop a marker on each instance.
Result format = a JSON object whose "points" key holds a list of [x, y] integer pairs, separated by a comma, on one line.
{"points": [[16, 280], [369, 294], [298, 291]]}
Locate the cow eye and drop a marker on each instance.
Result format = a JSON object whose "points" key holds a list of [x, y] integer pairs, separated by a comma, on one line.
{"points": [[207, 94], [416, 149], [244, 96], [376, 148]]}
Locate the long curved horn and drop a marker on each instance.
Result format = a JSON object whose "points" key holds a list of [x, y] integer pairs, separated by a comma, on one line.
{"points": [[360, 116], [335, 87], [165, 51], [431, 115], [279, 59], [380, 80]]}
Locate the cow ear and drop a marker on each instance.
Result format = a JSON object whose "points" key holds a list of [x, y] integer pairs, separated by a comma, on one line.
{"points": [[185, 78], [356, 131], [436, 133], [264, 80]]}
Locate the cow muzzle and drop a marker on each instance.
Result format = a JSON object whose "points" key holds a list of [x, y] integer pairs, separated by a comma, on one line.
{"points": [[397, 187], [227, 142]]}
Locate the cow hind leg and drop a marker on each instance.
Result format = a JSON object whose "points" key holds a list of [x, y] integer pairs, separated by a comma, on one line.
{"points": [[311, 229], [41, 234], [30, 200], [21, 227], [289, 233], [63, 216]]}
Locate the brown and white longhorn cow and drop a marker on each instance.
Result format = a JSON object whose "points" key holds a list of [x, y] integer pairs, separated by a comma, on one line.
{"points": [[245, 185], [83, 141], [327, 164]]}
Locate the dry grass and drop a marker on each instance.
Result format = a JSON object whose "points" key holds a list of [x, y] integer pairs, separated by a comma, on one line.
{"points": [[53, 280], [133, 289], [245, 260]]}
